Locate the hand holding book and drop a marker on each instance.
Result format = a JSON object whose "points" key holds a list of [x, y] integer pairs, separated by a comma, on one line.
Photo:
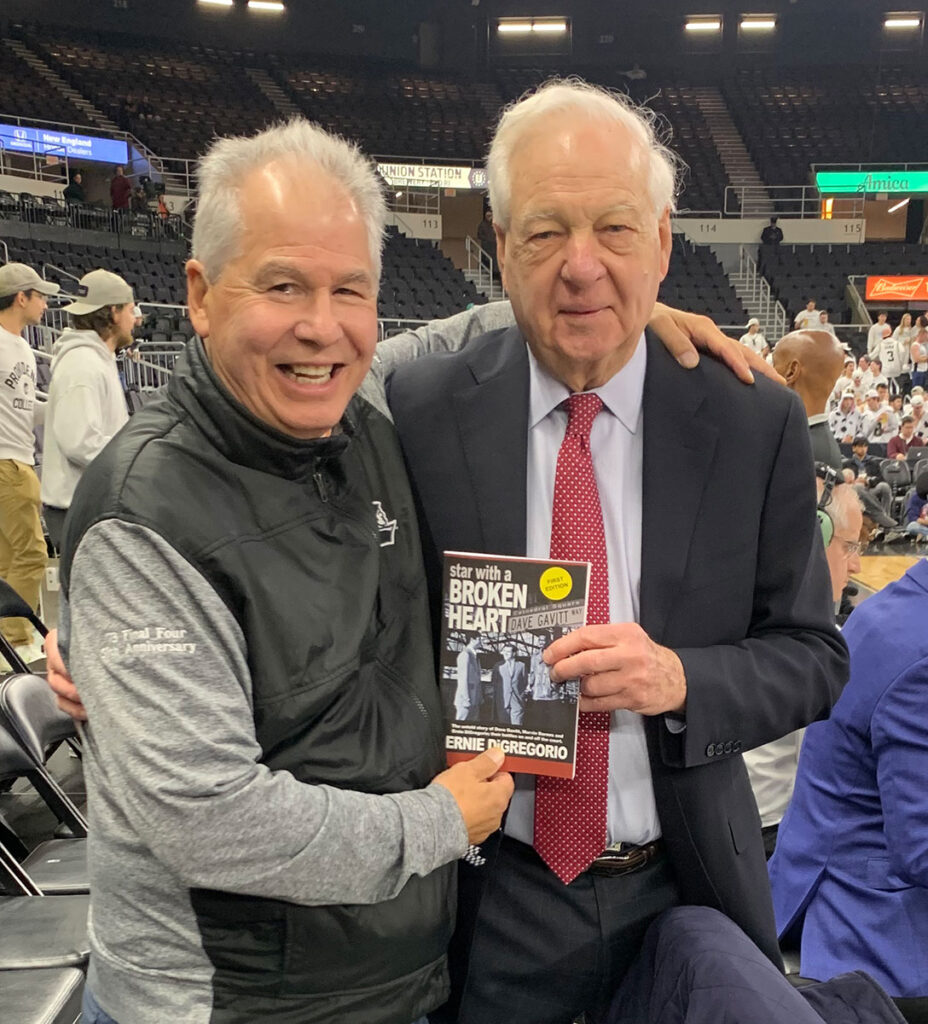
{"points": [[619, 666], [481, 790]]}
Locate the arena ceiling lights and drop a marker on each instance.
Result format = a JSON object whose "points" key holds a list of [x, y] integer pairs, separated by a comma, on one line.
{"points": [[758, 22], [901, 20], [217, 3], [522, 26], [704, 23], [271, 6]]}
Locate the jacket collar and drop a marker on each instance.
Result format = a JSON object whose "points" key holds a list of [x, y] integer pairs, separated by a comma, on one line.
{"points": [[237, 433]]}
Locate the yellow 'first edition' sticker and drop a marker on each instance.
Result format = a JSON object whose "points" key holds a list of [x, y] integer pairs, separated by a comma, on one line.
{"points": [[555, 583]]}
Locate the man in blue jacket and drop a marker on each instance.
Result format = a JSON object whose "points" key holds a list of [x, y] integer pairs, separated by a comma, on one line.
{"points": [[850, 872]]}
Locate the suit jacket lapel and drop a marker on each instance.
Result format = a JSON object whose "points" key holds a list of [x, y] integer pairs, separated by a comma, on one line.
{"points": [[679, 445], [492, 414]]}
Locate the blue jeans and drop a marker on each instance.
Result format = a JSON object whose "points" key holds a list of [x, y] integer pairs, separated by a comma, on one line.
{"points": [[92, 1014]]}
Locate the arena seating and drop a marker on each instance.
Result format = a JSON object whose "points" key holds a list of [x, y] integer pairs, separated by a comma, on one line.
{"points": [[392, 111], [174, 98], [24, 93], [154, 278], [798, 273], [98, 216], [418, 282], [696, 281], [791, 119]]}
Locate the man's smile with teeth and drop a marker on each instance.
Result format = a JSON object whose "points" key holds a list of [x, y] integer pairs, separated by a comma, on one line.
{"points": [[308, 374]]}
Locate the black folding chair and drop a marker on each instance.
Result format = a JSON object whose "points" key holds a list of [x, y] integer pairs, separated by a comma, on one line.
{"points": [[38, 931], [41, 996], [56, 866], [12, 606]]}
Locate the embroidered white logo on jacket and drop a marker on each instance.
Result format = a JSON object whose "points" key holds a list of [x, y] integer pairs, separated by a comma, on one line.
{"points": [[385, 525]]}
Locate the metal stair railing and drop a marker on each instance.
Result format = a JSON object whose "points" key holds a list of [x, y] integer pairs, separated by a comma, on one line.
{"points": [[759, 296]]}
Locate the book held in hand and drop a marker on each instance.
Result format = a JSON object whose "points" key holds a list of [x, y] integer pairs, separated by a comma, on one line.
{"points": [[498, 615]]}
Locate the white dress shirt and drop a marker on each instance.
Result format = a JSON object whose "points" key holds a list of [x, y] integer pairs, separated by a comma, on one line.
{"points": [[618, 451], [772, 771]]}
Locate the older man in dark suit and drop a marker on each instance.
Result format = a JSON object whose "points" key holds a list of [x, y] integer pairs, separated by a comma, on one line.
{"points": [[574, 435]]}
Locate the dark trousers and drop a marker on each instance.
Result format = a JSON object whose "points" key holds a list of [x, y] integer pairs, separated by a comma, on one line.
{"points": [[530, 950], [698, 967], [54, 523]]}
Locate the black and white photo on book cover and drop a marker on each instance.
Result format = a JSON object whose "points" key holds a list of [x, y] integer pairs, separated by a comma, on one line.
{"points": [[498, 616]]}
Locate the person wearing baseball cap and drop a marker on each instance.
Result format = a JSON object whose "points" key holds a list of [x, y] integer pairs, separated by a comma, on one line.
{"points": [[920, 416], [754, 339], [23, 556], [86, 401]]}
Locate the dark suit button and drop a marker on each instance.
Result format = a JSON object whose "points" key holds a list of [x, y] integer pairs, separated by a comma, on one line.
{"points": [[736, 747], [728, 747], [710, 750]]}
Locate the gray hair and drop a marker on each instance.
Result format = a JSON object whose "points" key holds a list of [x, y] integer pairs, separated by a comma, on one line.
{"points": [[844, 498], [217, 225], [595, 103]]}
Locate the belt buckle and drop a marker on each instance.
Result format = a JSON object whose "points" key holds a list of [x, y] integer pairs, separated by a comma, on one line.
{"points": [[621, 859]]}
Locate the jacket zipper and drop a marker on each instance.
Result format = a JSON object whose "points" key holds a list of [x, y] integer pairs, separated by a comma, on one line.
{"points": [[319, 481]]}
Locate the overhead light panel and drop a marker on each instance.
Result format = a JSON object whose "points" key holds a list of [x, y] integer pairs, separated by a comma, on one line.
{"points": [[266, 5], [757, 23], [704, 25], [910, 19], [217, 3], [524, 26]]}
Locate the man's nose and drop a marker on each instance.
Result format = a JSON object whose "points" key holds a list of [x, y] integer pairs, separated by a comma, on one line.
{"points": [[318, 323], [583, 264]]}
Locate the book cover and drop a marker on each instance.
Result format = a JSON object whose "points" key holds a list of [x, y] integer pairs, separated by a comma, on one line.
{"points": [[498, 615]]}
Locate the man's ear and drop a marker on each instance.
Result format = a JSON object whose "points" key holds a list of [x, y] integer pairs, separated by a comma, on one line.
{"points": [[500, 251], [664, 232], [792, 372], [197, 290]]}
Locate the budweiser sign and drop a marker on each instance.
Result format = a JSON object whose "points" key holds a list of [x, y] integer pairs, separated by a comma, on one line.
{"points": [[897, 289]]}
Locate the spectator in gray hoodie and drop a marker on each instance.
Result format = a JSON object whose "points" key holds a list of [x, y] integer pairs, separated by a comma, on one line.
{"points": [[86, 402]]}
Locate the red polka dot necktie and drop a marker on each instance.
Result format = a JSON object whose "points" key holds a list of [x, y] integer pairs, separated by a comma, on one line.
{"points": [[570, 814]]}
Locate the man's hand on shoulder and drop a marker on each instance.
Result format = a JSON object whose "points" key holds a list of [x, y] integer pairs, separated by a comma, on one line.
{"points": [[683, 333], [619, 666], [66, 694], [481, 790]]}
